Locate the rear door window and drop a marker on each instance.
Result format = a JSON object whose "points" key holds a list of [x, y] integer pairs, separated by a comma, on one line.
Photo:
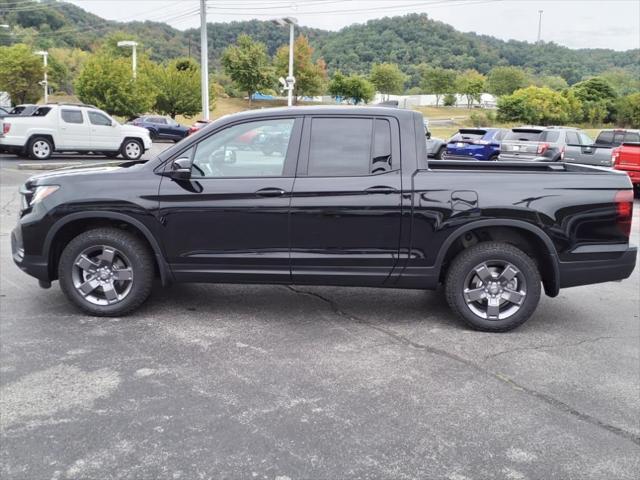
{"points": [[572, 138], [71, 116]]}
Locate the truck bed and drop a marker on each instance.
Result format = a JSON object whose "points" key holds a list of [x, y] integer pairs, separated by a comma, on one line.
{"points": [[539, 167]]}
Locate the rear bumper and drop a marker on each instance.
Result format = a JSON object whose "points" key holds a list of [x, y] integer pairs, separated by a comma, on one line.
{"points": [[505, 157], [618, 266]]}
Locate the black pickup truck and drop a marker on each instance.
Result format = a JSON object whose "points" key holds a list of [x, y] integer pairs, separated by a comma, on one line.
{"points": [[342, 196]]}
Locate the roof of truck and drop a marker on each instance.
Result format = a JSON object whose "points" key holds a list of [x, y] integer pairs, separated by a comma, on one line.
{"points": [[326, 110]]}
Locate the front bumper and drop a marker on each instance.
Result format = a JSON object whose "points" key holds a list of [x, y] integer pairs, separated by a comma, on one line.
{"points": [[33, 265], [618, 265]]}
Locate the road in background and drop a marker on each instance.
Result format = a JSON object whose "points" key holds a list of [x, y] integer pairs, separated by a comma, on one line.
{"points": [[242, 381]]}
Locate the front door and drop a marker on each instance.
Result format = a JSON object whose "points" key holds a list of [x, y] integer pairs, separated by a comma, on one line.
{"points": [[346, 207], [230, 221], [105, 134]]}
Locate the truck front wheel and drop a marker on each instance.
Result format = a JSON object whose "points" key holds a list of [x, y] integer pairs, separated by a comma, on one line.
{"points": [[132, 149], [106, 272], [40, 148], [493, 286]]}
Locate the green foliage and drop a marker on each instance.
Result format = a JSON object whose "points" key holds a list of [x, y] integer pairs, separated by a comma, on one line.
{"points": [[178, 87], [598, 100], [107, 83], [506, 80], [554, 82], [629, 111], [482, 119], [247, 63], [354, 88], [623, 82], [449, 100], [471, 84], [20, 72], [438, 81], [311, 77], [387, 78], [534, 105]]}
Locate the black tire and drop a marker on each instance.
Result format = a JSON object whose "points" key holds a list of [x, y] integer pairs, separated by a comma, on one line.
{"points": [[127, 149], [493, 158], [136, 253], [464, 265], [152, 134], [40, 148], [441, 153]]}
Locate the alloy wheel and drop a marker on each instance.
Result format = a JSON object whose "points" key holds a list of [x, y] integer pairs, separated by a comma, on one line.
{"points": [[41, 149]]}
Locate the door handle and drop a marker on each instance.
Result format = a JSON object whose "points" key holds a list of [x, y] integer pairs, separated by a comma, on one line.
{"points": [[381, 189], [270, 192]]}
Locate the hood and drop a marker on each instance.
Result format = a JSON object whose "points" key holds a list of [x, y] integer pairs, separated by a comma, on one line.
{"points": [[76, 173], [133, 130]]}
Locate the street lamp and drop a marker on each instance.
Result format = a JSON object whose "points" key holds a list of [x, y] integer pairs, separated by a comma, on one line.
{"points": [[134, 58], [44, 83], [290, 80]]}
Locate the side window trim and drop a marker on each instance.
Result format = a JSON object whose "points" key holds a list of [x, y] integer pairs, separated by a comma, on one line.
{"points": [[290, 159]]}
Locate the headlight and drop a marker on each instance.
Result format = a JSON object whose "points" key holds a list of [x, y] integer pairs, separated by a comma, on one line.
{"points": [[42, 192]]}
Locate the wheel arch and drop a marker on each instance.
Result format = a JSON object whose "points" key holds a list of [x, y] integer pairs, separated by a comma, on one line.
{"points": [[48, 136], [519, 233], [72, 225]]}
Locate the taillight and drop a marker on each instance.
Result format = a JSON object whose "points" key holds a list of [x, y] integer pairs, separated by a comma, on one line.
{"points": [[624, 210], [5, 128], [615, 156], [543, 147]]}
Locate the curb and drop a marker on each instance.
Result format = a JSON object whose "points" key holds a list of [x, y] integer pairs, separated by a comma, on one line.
{"points": [[47, 166]]}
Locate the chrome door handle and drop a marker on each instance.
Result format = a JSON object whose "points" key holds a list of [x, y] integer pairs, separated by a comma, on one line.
{"points": [[381, 189], [270, 192]]}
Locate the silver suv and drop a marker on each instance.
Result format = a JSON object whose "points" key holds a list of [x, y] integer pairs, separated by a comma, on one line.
{"points": [[537, 144]]}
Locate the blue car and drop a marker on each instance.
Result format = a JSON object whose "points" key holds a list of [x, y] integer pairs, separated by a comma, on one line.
{"points": [[161, 127], [475, 144]]}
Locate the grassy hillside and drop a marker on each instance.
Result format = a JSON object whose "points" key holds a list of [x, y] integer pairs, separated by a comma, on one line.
{"points": [[408, 41]]}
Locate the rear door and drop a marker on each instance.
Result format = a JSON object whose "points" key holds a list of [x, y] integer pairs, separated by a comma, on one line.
{"points": [[346, 205], [75, 132]]}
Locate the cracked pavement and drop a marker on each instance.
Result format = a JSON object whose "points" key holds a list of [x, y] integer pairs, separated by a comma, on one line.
{"points": [[240, 381]]}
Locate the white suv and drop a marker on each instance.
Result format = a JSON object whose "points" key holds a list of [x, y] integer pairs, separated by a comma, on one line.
{"points": [[71, 128]]}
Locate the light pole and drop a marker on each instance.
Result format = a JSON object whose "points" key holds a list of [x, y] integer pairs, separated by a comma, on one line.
{"points": [[539, 25], [44, 83], [290, 80], [204, 60], [134, 57]]}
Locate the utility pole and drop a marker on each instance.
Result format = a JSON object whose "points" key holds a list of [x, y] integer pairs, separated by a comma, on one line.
{"points": [[539, 26], [44, 83], [204, 60], [290, 81]]}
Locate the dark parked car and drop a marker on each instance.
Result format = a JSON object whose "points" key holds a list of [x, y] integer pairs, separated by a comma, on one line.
{"points": [[198, 125], [164, 128], [537, 144], [352, 200], [475, 144]]}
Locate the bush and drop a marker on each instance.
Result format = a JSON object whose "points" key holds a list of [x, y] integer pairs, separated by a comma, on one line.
{"points": [[534, 105], [482, 119], [449, 100], [628, 114]]}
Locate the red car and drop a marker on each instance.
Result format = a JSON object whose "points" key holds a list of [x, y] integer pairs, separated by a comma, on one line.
{"points": [[198, 125], [626, 157]]}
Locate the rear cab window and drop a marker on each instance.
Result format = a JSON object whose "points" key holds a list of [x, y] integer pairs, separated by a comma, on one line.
{"points": [[632, 137], [524, 135], [343, 147], [468, 135]]}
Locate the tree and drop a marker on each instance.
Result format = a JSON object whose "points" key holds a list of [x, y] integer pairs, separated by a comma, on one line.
{"points": [[438, 81], [311, 78], [554, 82], [534, 105], [355, 88], [387, 78], [471, 84], [622, 81], [598, 99], [107, 83], [20, 72], [247, 63], [506, 80], [629, 111], [178, 87]]}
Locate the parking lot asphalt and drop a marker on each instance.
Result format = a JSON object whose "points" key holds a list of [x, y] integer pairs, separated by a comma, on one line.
{"points": [[274, 382]]}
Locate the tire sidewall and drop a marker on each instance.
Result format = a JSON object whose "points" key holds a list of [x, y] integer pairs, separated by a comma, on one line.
{"points": [[469, 259], [33, 141], [136, 253], [123, 150]]}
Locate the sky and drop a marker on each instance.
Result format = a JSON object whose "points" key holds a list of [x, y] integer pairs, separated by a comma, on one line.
{"points": [[574, 23]]}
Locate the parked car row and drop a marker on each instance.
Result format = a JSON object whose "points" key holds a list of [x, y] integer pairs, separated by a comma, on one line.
{"points": [[538, 144]]}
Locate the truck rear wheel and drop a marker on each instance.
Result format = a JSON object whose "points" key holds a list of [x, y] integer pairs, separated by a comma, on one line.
{"points": [[40, 148], [493, 286], [106, 272]]}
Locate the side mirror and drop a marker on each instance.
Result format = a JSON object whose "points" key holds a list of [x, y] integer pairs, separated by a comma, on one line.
{"points": [[180, 169], [114, 123], [428, 135]]}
